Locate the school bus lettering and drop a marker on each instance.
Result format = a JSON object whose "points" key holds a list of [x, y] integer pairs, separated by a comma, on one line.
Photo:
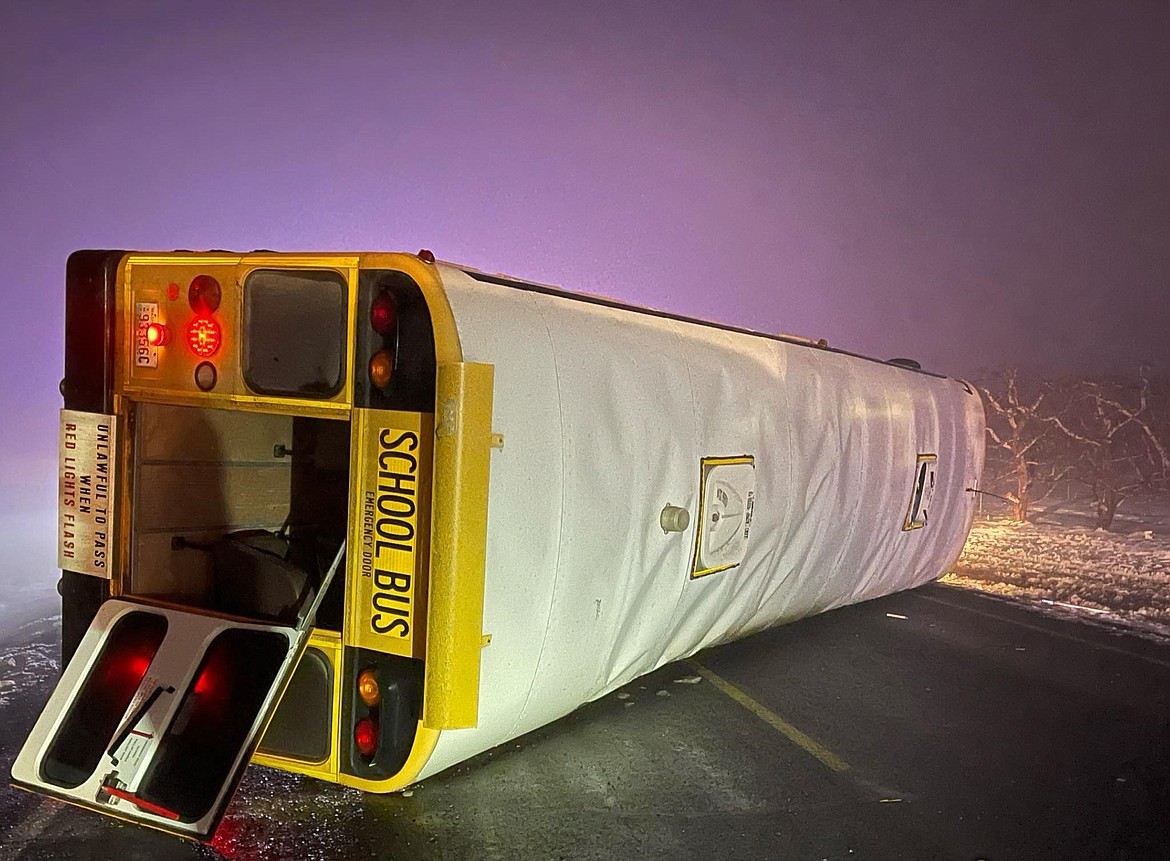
{"points": [[395, 506], [391, 452], [367, 558], [398, 627], [397, 482], [395, 532], [390, 448], [392, 597], [392, 581]]}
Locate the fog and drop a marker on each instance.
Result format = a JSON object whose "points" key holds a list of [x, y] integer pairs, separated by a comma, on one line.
{"points": [[974, 185], [29, 577]]}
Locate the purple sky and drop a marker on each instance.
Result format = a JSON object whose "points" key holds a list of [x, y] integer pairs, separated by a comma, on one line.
{"points": [[970, 184]]}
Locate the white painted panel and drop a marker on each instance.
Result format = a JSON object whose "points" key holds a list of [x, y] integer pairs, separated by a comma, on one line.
{"points": [[608, 415], [503, 327]]}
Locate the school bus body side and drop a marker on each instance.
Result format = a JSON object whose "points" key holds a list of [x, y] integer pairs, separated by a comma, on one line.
{"points": [[562, 426], [608, 415]]}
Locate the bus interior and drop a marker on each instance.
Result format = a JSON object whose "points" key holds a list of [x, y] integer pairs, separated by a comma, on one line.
{"points": [[238, 512]]}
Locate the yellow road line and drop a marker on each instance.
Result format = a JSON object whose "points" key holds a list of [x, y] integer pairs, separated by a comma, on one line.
{"points": [[804, 742]]}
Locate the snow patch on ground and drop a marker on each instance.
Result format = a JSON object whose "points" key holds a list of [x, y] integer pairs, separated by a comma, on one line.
{"points": [[1062, 564], [28, 657]]}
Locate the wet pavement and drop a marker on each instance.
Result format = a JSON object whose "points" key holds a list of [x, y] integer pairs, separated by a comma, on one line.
{"points": [[934, 724]]}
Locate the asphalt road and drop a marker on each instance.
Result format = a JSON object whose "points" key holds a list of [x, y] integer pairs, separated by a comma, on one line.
{"points": [[934, 724]]}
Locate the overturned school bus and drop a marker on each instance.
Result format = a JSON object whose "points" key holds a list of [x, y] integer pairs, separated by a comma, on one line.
{"points": [[363, 516]]}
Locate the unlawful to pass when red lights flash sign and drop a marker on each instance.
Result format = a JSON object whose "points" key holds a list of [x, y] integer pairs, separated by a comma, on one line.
{"points": [[86, 492]]}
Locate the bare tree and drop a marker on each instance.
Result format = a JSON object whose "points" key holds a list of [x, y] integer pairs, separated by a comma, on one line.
{"points": [[1020, 426], [1124, 444]]}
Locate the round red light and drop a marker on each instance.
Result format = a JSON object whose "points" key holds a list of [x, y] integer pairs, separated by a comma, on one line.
{"points": [[383, 314], [365, 736], [203, 336], [204, 294], [158, 335]]}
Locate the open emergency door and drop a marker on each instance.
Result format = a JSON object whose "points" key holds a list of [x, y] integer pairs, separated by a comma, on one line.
{"points": [[158, 713]]}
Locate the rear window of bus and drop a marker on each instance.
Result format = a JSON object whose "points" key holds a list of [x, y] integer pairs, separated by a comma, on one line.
{"points": [[294, 332]]}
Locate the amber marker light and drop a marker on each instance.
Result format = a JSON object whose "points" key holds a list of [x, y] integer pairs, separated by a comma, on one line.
{"points": [[158, 335], [381, 368], [203, 336], [368, 690]]}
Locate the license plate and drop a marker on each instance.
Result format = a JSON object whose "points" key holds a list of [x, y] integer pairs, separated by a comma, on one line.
{"points": [[145, 353]]}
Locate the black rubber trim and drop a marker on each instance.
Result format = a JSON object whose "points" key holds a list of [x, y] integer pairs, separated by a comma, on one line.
{"points": [[91, 280], [90, 306], [411, 343], [666, 315], [81, 596], [302, 725], [396, 716]]}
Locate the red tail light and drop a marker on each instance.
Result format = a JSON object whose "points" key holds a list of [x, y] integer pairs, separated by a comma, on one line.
{"points": [[383, 313], [365, 736], [203, 336], [158, 335], [204, 294]]}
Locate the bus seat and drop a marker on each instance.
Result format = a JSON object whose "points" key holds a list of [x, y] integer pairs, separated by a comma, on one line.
{"points": [[255, 578]]}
